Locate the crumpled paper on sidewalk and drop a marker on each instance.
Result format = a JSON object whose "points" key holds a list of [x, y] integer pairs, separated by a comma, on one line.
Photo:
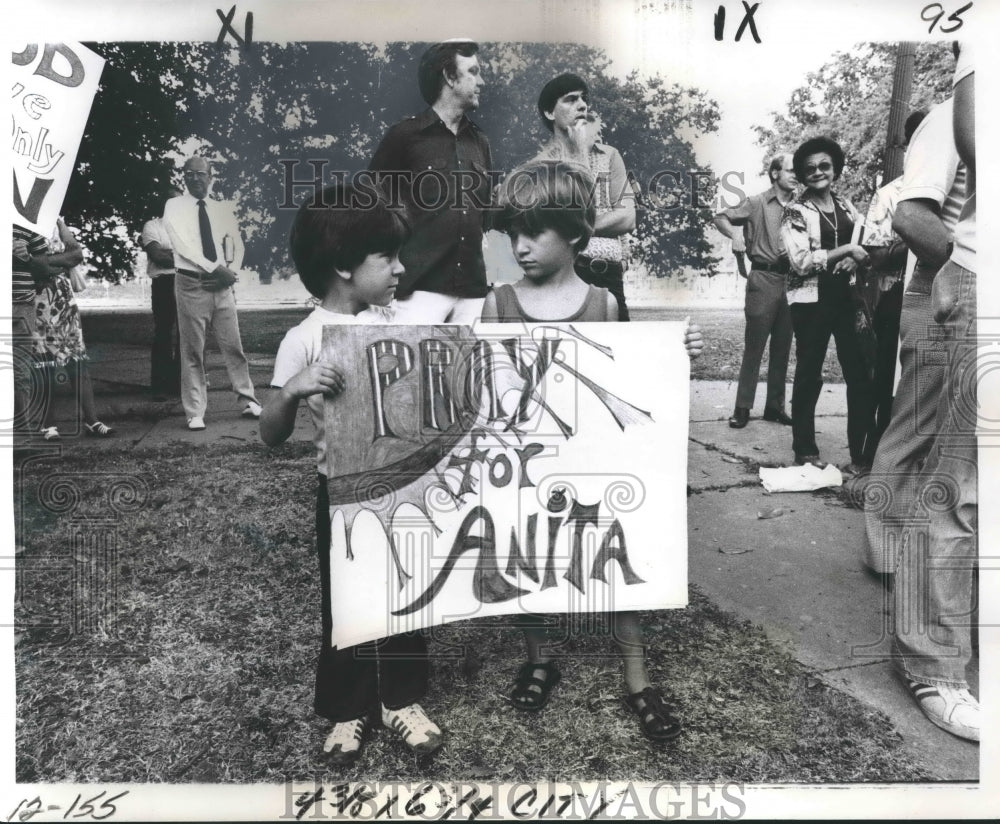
{"points": [[800, 478]]}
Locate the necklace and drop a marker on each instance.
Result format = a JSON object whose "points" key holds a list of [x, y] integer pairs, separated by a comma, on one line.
{"points": [[833, 224]]}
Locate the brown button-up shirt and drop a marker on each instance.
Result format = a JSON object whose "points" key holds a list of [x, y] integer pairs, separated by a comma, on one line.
{"points": [[760, 217], [445, 187]]}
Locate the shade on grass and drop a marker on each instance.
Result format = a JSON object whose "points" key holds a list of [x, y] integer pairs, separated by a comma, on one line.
{"points": [[209, 676]]}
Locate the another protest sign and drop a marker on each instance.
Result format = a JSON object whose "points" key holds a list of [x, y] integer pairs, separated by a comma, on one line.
{"points": [[54, 87]]}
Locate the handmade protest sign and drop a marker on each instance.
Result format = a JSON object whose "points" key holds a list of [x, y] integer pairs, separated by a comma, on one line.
{"points": [[53, 89], [513, 468]]}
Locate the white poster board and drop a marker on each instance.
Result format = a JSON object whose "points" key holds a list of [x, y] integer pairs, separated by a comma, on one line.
{"points": [[507, 469], [53, 88]]}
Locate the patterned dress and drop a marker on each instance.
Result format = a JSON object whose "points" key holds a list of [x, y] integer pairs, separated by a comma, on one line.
{"points": [[58, 336]]}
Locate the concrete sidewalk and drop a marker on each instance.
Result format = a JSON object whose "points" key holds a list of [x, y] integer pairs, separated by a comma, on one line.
{"points": [[799, 576]]}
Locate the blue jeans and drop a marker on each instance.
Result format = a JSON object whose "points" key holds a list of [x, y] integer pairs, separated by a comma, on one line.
{"points": [[903, 449], [934, 588]]}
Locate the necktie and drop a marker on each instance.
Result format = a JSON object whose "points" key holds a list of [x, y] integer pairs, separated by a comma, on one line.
{"points": [[205, 226]]}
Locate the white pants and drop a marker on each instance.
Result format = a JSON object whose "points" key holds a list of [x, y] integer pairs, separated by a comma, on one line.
{"points": [[197, 308], [431, 307]]}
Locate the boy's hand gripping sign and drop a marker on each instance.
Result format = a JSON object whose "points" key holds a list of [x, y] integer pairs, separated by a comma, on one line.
{"points": [[511, 468]]}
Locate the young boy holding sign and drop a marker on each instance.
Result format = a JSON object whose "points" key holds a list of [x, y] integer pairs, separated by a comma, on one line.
{"points": [[547, 209], [347, 256]]}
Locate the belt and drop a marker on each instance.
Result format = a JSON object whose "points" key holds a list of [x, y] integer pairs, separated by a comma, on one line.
{"points": [[201, 277], [779, 268], [600, 266]]}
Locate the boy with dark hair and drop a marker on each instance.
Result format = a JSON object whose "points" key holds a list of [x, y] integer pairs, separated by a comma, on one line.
{"points": [[547, 208], [346, 250]]}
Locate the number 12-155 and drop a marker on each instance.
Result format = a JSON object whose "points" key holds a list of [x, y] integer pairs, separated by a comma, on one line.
{"points": [[80, 808]]}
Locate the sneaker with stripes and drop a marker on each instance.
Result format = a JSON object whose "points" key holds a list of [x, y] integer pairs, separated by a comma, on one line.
{"points": [[345, 740], [411, 724], [954, 710]]}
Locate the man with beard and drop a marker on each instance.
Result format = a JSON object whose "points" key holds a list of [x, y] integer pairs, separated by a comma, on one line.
{"points": [[564, 108]]}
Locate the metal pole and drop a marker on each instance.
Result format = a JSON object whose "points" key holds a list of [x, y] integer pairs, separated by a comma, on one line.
{"points": [[899, 107]]}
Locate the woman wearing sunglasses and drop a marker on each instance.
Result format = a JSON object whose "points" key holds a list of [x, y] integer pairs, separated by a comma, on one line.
{"points": [[817, 230]]}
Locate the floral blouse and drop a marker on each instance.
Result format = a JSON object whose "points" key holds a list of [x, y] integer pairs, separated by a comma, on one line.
{"points": [[800, 235]]}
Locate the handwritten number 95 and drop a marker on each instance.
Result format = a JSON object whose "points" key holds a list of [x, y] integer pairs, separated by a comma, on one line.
{"points": [[935, 11]]}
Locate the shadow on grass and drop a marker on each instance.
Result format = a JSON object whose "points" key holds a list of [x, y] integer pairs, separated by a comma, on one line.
{"points": [[206, 672]]}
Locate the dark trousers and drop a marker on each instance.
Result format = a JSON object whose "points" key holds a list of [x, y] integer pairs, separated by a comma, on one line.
{"points": [[814, 323], [767, 315], [352, 681], [165, 357], [885, 322], [610, 278]]}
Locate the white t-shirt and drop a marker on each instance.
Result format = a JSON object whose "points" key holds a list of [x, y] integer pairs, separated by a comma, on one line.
{"points": [[933, 171], [155, 231], [964, 253], [301, 347]]}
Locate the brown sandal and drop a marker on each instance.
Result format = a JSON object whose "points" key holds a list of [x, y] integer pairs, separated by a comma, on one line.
{"points": [[655, 716]]}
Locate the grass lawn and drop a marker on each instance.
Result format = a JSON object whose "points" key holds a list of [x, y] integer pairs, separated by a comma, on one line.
{"points": [[723, 330], [262, 330], [209, 677]]}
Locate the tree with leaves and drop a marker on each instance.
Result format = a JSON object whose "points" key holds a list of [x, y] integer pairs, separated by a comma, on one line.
{"points": [[848, 99], [270, 116]]}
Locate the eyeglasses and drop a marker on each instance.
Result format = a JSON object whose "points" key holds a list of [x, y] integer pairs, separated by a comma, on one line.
{"points": [[188, 175], [825, 166]]}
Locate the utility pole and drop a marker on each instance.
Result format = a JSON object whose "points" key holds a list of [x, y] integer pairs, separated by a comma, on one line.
{"points": [[902, 86]]}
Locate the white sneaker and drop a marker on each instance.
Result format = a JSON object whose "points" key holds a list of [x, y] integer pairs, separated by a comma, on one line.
{"points": [[345, 740], [954, 710], [50, 433], [196, 424], [253, 410], [410, 723]]}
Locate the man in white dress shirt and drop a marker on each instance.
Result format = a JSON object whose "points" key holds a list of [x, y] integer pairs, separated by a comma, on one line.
{"points": [[207, 250]]}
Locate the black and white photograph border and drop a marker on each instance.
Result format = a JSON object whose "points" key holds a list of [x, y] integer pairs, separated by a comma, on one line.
{"points": [[760, 582]]}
